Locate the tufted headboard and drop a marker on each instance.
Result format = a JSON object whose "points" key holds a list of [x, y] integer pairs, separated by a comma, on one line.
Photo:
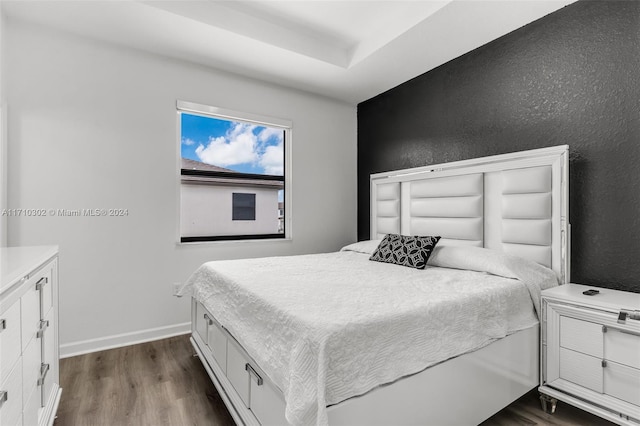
{"points": [[517, 203]]}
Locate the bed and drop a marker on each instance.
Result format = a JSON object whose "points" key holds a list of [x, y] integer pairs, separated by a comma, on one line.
{"points": [[335, 338]]}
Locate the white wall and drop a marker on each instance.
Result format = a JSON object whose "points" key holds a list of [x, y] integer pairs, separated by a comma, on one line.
{"points": [[94, 126], [207, 210], [3, 133]]}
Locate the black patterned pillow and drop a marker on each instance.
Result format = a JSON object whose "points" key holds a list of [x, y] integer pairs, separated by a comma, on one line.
{"points": [[411, 251]]}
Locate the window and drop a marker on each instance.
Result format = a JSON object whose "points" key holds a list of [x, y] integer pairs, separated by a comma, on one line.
{"points": [[234, 172], [244, 206]]}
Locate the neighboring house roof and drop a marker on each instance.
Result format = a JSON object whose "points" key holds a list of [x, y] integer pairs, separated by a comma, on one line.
{"points": [[197, 165], [210, 180]]}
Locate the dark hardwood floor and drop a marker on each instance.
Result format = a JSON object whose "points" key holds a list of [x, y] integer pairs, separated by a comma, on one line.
{"points": [[162, 383], [155, 383]]}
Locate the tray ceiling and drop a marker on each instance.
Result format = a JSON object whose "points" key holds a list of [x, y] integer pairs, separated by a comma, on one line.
{"points": [[347, 50]]}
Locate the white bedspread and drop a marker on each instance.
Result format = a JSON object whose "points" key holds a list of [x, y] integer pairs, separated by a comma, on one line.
{"points": [[328, 327]]}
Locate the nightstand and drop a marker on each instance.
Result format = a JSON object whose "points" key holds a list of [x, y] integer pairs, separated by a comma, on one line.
{"points": [[590, 351]]}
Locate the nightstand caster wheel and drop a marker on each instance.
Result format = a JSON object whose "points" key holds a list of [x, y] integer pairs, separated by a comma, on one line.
{"points": [[548, 403]]}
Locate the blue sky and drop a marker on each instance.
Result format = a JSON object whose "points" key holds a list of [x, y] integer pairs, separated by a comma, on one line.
{"points": [[242, 147]]}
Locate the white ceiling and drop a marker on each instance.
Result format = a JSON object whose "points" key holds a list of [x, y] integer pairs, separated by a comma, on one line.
{"points": [[348, 50]]}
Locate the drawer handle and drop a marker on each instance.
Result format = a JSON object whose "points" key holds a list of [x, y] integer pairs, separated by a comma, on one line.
{"points": [[208, 318], [44, 369], [253, 372], [41, 282], [4, 395], [44, 324], [625, 313], [604, 363], [3, 324]]}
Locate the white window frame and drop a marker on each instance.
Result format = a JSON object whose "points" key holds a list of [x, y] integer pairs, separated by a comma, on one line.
{"points": [[227, 114]]}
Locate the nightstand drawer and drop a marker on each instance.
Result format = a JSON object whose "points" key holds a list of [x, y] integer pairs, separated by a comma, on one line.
{"points": [[581, 336], [621, 347], [590, 358], [622, 382], [581, 369]]}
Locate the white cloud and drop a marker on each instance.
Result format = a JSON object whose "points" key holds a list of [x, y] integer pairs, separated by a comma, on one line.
{"points": [[270, 132], [238, 146], [188, 142], [241, 146], [273, 160]]}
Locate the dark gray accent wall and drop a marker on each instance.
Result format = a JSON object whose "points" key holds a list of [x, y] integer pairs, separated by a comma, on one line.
{"points": [[572, 77]]}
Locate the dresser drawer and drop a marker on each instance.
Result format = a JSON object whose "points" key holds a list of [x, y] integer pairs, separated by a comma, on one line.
{"points": [[31, 367], [43, 280], [622, 382], [9, 339], [581, 336], [581, 369], [28, 309], [31, 409], [11, 397], [621, 347], [30, 314], [49, 374]]}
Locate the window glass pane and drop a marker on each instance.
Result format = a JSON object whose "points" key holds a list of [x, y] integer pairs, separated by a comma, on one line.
{"points": [[232, 146], [232, 179], [244, 206]]}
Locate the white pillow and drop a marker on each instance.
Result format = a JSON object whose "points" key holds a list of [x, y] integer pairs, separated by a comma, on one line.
{"points": [[366, 246]]}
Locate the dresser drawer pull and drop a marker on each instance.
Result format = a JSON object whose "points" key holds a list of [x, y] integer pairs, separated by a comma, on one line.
{"points": [[604, 363], [208, 318], [41, 282], [3, 324], [44, 324], [254, 373], [44, 369], [3, 397]]}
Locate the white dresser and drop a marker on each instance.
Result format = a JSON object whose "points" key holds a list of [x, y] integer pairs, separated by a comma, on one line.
{"points": [[591, 351], [29, 376]]}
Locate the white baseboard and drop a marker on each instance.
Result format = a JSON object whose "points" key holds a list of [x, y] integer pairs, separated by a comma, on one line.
{"points": [[119, 340]]}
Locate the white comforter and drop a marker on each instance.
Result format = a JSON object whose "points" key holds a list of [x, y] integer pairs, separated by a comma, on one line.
{"points": [[328, 327]]}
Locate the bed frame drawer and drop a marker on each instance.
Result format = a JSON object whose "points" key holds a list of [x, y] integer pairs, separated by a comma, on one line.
{"points": [[217, 342], [237, 371], [200, 321], [267, 403], [263, 402], [258, 394], [211, 333]]}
